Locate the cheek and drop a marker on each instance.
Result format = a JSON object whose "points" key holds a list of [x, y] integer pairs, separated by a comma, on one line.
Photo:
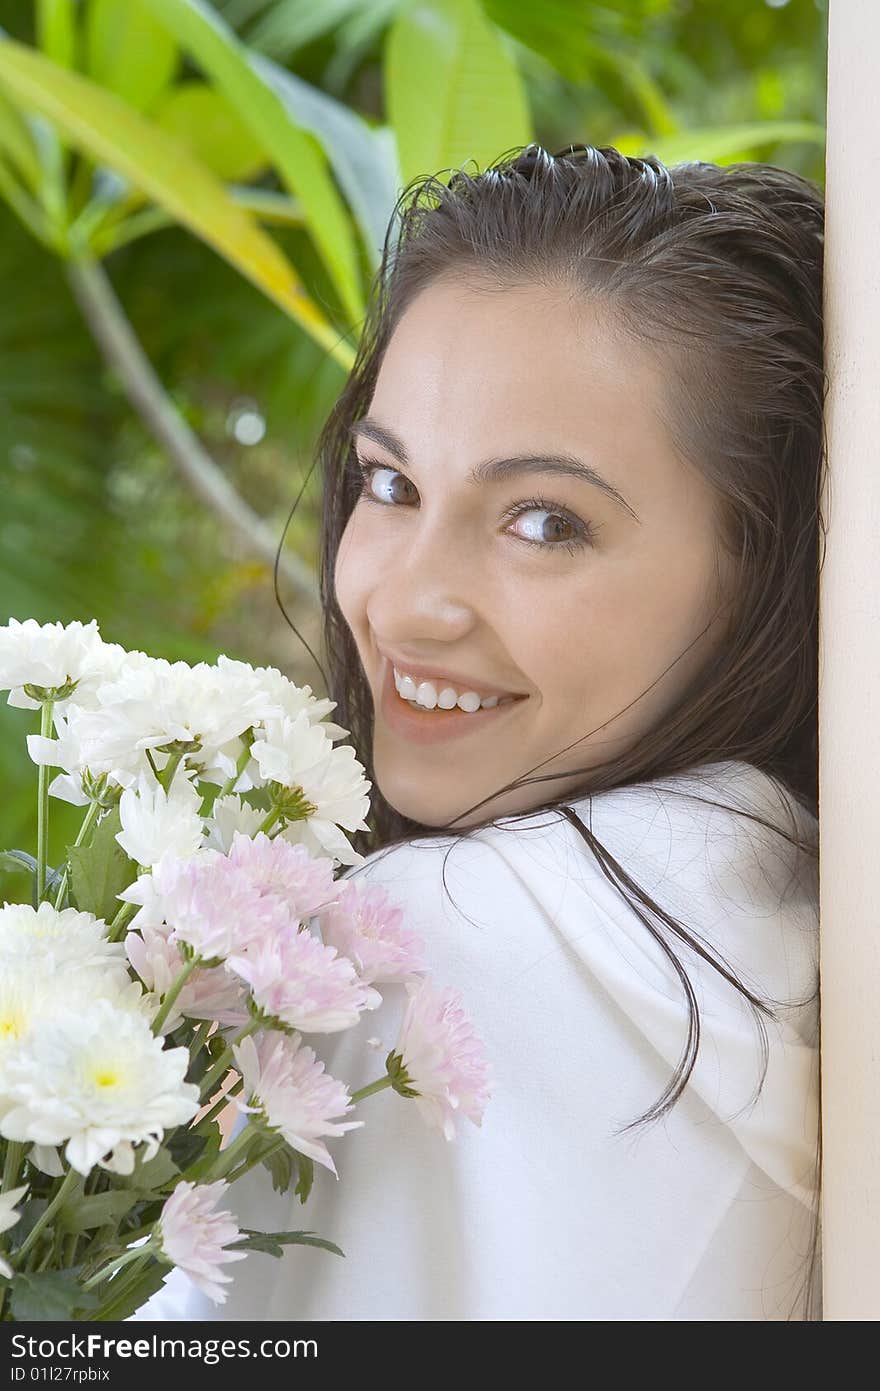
{"points": [[350, 573]]}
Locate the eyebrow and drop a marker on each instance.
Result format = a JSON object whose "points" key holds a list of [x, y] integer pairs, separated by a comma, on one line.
{"points": [[495, 470]]}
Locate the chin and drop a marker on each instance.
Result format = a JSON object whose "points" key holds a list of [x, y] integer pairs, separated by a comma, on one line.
{"points": [[429, 806]]}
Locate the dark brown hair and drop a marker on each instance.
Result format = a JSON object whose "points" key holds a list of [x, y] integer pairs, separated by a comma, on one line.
{"points": [[719, 270]]}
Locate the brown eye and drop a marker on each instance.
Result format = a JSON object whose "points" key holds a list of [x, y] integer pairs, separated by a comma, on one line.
{"points": [[553, 528], [377, 488]]}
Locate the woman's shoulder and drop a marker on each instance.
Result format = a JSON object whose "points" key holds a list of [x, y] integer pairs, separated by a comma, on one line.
{"points": [[530, 898], [703, 844], [716, 826]]}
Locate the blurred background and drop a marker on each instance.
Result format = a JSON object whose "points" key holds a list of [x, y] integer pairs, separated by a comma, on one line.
{"points": [[193, 200]]}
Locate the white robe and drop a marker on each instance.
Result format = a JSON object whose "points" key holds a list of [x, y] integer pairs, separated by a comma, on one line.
{"points": [[543, 1212]]}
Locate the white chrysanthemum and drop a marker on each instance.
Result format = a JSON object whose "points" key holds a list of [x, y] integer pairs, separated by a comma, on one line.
{"points": [[28, 999], [228, 815], [151, 904], [64, 751], [156, 823], [298, 754], [80, 746], [50, 655], [284, 694], [163, 702], [64, 941], [101, 1084]]}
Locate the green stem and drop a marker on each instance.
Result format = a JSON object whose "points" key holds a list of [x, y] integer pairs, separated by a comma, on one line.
{"points": [[228, 1158], [218, 1106], [373, 1087], [172, 994], [243, 760], [117, 1263], [89, 820], [12, 1164], [269, 821], [121, 1292], [117, 927], [166, 777], [212, 1077], [255, 1159], [67, 1183], [43, 803], [198, 1039]]}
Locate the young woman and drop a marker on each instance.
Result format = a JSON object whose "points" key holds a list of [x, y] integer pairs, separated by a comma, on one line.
{"points": [[575, 473]]}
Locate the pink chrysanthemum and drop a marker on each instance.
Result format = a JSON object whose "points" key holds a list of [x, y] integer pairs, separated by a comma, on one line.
{"points": [[209, 993], [307, 985], [294, 1093], [440, 1056], [276, 869], [211, 905], [195, 1238], [367, 926]]}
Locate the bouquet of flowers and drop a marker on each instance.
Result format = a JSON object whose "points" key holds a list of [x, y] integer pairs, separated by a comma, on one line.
{"points": [[198, 928]]}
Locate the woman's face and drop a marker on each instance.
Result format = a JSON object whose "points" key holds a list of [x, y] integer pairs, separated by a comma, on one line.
{"points": [[530, 579]]}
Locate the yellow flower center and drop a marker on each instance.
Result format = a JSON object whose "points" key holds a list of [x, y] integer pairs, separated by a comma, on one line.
{"points": [[106, 1078]]}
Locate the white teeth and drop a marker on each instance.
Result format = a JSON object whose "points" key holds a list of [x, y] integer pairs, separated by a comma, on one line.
{"points": [[469, 701], [426, 695]]}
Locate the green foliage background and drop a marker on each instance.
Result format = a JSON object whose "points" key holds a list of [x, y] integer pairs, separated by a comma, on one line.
{"points": [[95, 521]]}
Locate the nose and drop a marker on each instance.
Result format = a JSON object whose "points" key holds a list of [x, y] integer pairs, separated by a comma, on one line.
{"points": [[429, 590]]}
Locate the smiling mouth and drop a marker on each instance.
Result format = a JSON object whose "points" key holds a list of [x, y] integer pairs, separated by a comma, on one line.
{"points": [[419, 722]]}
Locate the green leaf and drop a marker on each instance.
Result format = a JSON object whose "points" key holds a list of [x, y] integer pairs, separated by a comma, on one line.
{"points": [[103, 126], [206, 122], [48, 1295], [282, 1168], [274, 1242], [453, 92], [186, 1146], [81, 1214], [306, 1176], [147, 1177], [31, 1212], [18, 143], [17, 862], [206, 37], [363, 158], [719, 143], [117, 1306], [100, 871], [53, 881], [128, 51], [56, 30]]}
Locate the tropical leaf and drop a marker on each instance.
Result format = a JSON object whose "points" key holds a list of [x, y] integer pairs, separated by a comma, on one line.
{"points": [[205, 120], [296, 156], [452, 89], [103, 125], [57, 32], [363, 158], [128, 51], [721, 143]]}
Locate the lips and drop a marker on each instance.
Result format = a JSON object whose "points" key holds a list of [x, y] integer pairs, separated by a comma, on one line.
{"points": [[435, 726], [443, 678]]}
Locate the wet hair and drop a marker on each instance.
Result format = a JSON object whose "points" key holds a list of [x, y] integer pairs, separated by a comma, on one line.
{"points": [[717, 270]]}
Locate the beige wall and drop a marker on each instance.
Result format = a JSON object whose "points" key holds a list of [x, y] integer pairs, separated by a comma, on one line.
{"points": [[849, 728]]}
